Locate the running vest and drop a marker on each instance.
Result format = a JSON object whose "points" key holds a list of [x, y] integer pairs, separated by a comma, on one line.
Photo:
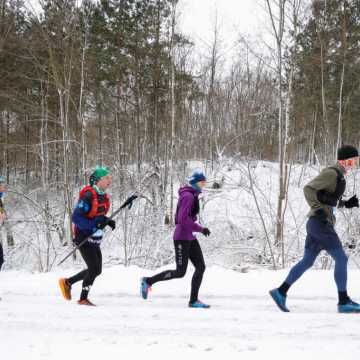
{"points": [[332, 198], [340, 184], [2, 210], [100, 205], [194, 211]]}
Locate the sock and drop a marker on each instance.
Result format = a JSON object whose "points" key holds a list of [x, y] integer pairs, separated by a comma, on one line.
{"points": [[283, 289], [343, 297], [85, 292]]}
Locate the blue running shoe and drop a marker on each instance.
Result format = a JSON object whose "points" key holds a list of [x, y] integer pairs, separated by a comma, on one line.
{"points": [[280, 300], [349, 307], [144, 288], [198, 305]]}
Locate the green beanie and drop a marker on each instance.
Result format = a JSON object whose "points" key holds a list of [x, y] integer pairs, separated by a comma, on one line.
{"points": [[99, 172]]}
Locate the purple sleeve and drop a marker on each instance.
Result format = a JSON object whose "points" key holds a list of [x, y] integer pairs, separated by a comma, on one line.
{"points": [[184, 217]]}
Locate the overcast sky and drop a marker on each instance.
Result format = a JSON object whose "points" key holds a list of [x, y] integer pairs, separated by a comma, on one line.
{"points": [[234, 17]]}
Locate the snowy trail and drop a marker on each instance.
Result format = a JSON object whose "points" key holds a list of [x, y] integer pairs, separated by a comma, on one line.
{"points": [[36, 323]]}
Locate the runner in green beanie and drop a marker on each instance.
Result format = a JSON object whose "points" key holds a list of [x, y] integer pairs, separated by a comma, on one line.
{"points": [[98, 173]]}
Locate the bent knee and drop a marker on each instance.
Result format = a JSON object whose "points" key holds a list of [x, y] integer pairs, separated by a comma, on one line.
{"points": [[95, 271], [201, 268], [339, 255], [306, 263], [343, 258], [310, 264], [180, 273]]}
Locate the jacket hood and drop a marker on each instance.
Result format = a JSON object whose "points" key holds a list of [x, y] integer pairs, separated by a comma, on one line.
{"points": [[188, 188]]}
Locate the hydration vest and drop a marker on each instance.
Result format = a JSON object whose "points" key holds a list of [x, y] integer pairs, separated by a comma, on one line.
{"points": [[2, 210], [100, 205], [340, 184], [194, 211]]}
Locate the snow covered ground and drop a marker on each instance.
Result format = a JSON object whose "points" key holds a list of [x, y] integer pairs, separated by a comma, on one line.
{"points": [[243, 323]]}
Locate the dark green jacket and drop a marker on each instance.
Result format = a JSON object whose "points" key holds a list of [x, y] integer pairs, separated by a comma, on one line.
{"points": [[326, 180]]}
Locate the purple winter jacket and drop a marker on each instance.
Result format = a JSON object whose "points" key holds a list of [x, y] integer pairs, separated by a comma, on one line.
{"points": [[185, 219]]}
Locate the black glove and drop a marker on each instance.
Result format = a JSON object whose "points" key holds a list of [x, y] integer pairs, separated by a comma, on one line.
{"points": [[351, 245], [105, 221], [349, 204], [129, 201], [206, 232], [326, 198], [111, 223], [101, 222], [321, 215]]}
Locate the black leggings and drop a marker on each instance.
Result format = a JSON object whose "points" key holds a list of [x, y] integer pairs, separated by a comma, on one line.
{"points": [[185, 250], [1, 256], [91, 254]]}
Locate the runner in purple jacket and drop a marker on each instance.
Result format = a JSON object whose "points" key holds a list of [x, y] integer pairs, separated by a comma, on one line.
{"points": [[185, 243]]}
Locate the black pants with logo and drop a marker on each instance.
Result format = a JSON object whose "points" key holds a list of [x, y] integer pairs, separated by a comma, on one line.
{"points": [[92, 256], [1, 256], [185, 250]]}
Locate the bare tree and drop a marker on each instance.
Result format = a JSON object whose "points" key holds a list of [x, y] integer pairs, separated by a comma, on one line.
{"points": [[172, 91], [278, 12]]}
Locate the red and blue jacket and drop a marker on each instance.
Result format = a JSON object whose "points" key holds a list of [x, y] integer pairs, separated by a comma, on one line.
{"points": [[90, 210]]}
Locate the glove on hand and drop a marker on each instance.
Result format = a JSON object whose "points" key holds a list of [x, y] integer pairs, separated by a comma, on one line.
{"points": [[349, 204], [105, 221], [206, 232], [112, 224]]}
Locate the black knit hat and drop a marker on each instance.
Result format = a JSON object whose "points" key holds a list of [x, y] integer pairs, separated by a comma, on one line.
{"points": [[347, 152]]}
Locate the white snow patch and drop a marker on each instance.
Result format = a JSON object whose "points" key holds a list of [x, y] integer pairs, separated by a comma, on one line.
{"points": [[243, 323]]}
